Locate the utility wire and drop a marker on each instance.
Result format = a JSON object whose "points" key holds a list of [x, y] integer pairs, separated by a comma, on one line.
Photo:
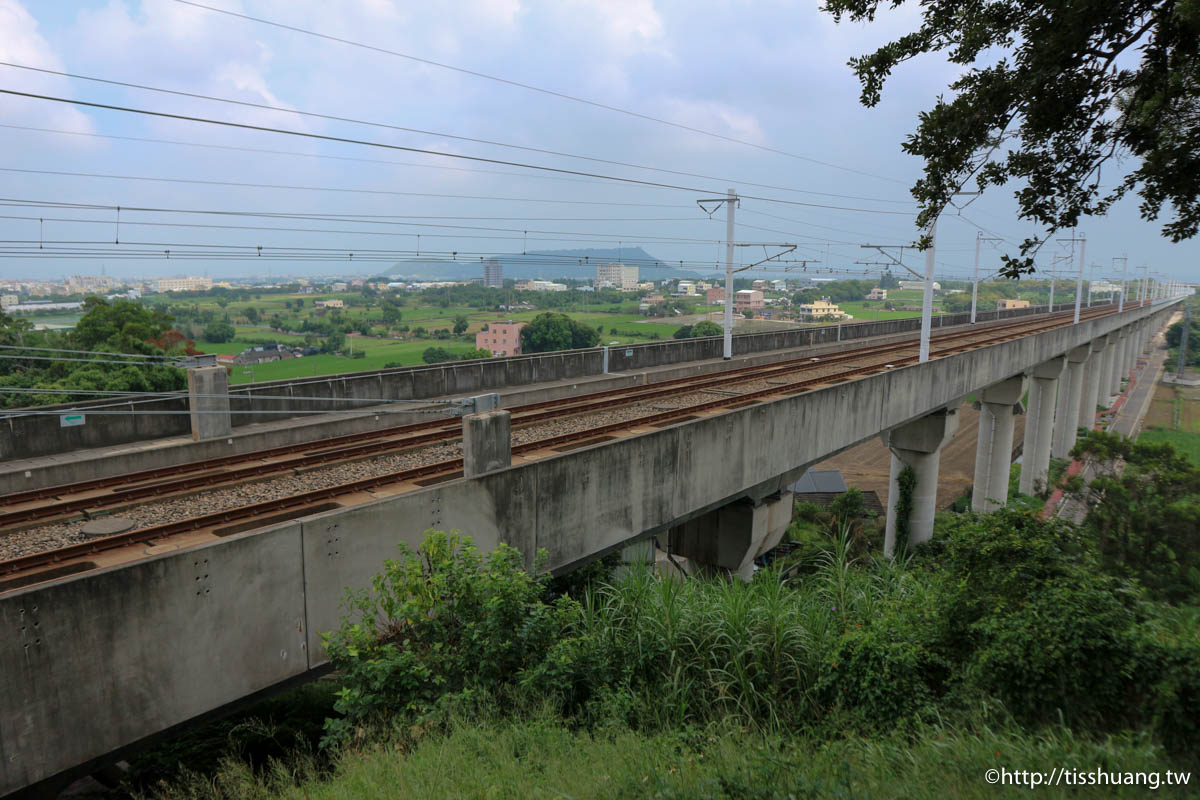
{"points": [[268, 151], [532, 88], [386, 146], [548, 237], [444, 135]]}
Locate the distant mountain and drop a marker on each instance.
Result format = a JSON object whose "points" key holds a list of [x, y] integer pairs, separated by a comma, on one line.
{"points": [[547, 264]]}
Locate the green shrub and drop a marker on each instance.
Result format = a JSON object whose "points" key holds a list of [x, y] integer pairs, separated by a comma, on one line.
{"points": [[439, 620]]}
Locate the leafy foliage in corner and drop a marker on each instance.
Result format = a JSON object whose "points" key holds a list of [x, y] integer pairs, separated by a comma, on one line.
{"points": [[1146, 520], [1051, 93]]}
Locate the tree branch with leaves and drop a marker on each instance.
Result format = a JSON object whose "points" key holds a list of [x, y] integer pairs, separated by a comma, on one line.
{"points": [[1052, 93]]}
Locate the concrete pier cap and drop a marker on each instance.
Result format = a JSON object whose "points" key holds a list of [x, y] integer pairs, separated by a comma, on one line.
{"points": [[918, 445], [728, 539]]}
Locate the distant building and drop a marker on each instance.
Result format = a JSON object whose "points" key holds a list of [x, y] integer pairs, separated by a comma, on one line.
{"points": [[685, 287], [493, 274], [1004, 305], [501, 338], [937, 287], [540, 286], [617, 276], [822, 486], [7, 300], [184, 284], [877, 294], [748, 300], [820, 309], [329, 303], [713, 296], [761, 284]]}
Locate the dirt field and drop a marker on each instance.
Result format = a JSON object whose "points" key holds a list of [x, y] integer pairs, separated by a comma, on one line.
{"points": [[1172, 400], [867, 465]]}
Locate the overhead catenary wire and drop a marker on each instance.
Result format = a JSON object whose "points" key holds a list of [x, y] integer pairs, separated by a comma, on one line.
{"points": [[444, 135], [530, 87], [403, 148]]}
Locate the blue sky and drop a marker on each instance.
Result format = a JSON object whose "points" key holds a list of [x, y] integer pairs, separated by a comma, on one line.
{"points": [[771, 73]]}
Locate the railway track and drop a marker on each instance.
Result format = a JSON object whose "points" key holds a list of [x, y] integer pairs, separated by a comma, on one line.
{"points": [[251, 515]]}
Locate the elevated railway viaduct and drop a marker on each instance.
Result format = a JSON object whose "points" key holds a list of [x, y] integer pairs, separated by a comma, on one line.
{"points": [[111, 643]]}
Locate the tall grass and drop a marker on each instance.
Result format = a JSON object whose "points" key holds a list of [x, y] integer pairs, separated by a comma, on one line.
{"points": [[700, 650], [539, 758]]}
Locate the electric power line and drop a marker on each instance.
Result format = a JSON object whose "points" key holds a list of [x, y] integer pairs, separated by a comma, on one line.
{"points": [[532, 88], [403, 148], [444, 135]]}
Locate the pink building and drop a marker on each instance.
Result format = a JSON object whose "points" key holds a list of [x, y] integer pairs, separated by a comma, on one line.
{"points": [[501, 338], [714, 296], [748, 299]]}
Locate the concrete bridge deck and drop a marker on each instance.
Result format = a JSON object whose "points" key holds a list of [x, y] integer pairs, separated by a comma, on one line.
{"points": [[96, 663]]}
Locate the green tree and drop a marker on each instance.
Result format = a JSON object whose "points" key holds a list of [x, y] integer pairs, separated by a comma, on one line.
{"points": [[1146, 519], [251, 315], [436, 355], [706, 328], [219, 331], [334, 342], [552, 331], [460, 325], [474, 355], [1175, 336], [1047, 95]]}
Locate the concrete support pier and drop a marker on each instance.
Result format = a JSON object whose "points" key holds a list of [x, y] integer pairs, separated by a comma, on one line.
{"points": [[1039, 427], [208, 399], [1118, 370], [1091, 392], [998, 404], [487, 442], [918, 445], [729, 538], [1066, 413], [1106, 372]]}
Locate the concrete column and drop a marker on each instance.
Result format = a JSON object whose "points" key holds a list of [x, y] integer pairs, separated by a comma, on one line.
{"points": [[487, 442], [1134, 350], [208, 401], [917, 444], [1091, 390], [1117, 344], [1066, 412], [731, 537], [1039, 425], [993, 452], [1106, 371]]}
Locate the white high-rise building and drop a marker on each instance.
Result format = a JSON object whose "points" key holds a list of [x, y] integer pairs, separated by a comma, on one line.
{"points": [[618, 276]]}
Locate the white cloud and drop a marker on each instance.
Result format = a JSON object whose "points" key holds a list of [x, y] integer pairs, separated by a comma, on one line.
{"points": [[21, 43], [717, 118]]}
